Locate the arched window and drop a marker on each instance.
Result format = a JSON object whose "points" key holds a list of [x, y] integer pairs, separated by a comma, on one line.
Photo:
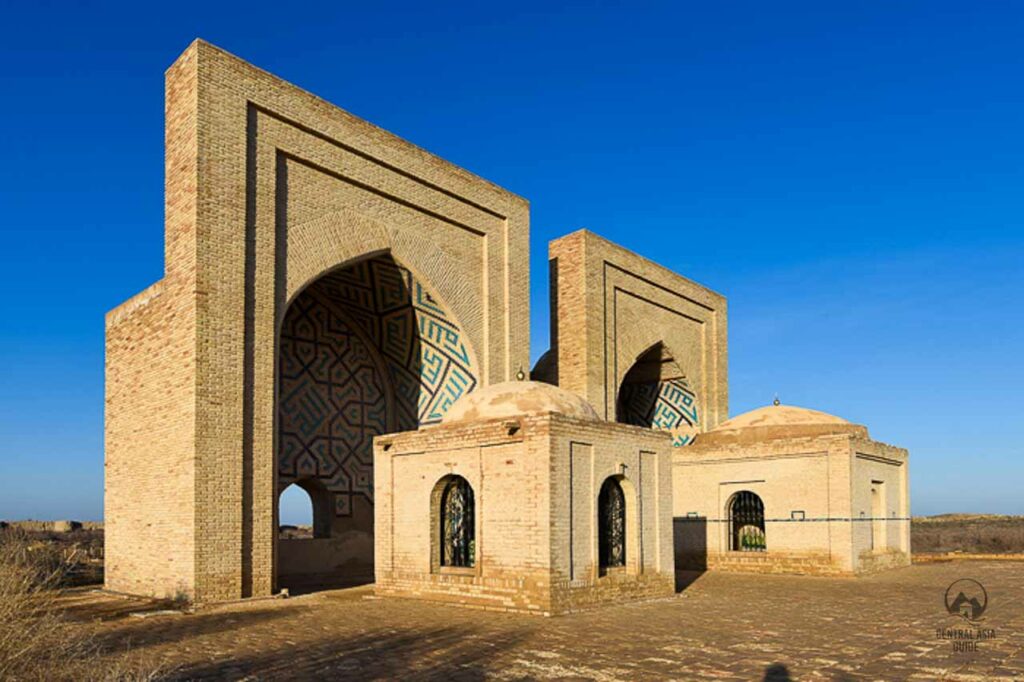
{"points": [[295, 509], [304, 510], [611, 524], [746, 523], [458, 544]]}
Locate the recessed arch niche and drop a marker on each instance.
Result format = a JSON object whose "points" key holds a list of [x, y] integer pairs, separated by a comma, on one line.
{"points": [[365, 349], [655, 393]]}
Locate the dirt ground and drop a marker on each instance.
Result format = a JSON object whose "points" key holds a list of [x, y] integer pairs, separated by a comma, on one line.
{"points": [[720, 626]]}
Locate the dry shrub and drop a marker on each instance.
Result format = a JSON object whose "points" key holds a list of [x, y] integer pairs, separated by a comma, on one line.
{"points": [[34, 637], [974, 534], [37, 641]]}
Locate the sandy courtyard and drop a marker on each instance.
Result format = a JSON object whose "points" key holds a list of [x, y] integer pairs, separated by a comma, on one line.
{"points": [[720, 626]]}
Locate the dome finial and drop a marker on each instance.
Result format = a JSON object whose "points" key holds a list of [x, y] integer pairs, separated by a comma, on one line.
{"points": [[776, 402]]}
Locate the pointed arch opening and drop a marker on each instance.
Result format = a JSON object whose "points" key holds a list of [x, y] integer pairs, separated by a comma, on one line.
{"points": [[295, 510], [656, 394], [363, 350]]}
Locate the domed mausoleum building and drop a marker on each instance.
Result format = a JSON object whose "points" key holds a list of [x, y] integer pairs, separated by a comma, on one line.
{"points": [[787, 489], [524, 499], [345, 316]]}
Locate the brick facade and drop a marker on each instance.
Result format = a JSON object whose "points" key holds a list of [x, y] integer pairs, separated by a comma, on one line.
{"points": [[817, 495], [268, 188], [609, 306], [327, 284], [536, 480]]}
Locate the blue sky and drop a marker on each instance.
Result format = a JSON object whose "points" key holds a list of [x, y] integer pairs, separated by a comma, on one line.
{"points": [[848, 174]]}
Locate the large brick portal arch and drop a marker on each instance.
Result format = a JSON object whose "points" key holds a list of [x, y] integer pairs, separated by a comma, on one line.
{"points": [[268, 187], [364, 350]]}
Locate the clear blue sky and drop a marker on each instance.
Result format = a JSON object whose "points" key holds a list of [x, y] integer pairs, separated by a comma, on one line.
{"points": [[850, 175]]}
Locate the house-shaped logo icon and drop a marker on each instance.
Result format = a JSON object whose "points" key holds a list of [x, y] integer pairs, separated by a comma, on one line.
{"points": [[970, 599]]}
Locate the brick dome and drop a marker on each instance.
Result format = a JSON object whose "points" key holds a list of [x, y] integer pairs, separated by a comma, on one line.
{"points": [[515, 398], [779, 421]]}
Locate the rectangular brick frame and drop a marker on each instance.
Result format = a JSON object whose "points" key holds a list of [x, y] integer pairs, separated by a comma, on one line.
{"points": [[609, 305], [267, 187]]}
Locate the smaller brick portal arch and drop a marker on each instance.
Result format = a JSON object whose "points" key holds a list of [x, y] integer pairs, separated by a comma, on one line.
{"points": [[656, 394], [364, 350]]}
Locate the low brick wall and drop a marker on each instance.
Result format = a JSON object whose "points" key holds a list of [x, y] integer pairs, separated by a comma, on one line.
{"points": [[775, 562], [528, 595], [317, 563], [580, 595], [531, 594]]}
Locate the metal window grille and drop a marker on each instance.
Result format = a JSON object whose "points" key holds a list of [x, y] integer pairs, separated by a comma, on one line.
{"points": [[611, 505], [746, 523], [457, 524]]}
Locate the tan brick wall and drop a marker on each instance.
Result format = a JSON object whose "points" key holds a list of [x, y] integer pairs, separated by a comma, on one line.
{"points": [[509, 477], [828, 478], [611, 305], [881, 530], [148, 509], [150, 405], [536, 503], [800, 563], [584, 455], [269, 187]]}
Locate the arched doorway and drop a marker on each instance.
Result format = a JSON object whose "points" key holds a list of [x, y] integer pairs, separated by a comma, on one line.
{"points": [[364, 350], [746, 523], [656, 394]]}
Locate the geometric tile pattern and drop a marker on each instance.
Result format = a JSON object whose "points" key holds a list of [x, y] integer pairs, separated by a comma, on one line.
{"points": [[422, 346], [333, 392], [332, 403], [668, 405]]}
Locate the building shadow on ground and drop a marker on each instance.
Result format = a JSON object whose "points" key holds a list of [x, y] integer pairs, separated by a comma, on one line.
{"points": [[777, 672], [90, 604], [449, 653], [253, 643], [298, 586], [137, 634], [685, 578]]}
